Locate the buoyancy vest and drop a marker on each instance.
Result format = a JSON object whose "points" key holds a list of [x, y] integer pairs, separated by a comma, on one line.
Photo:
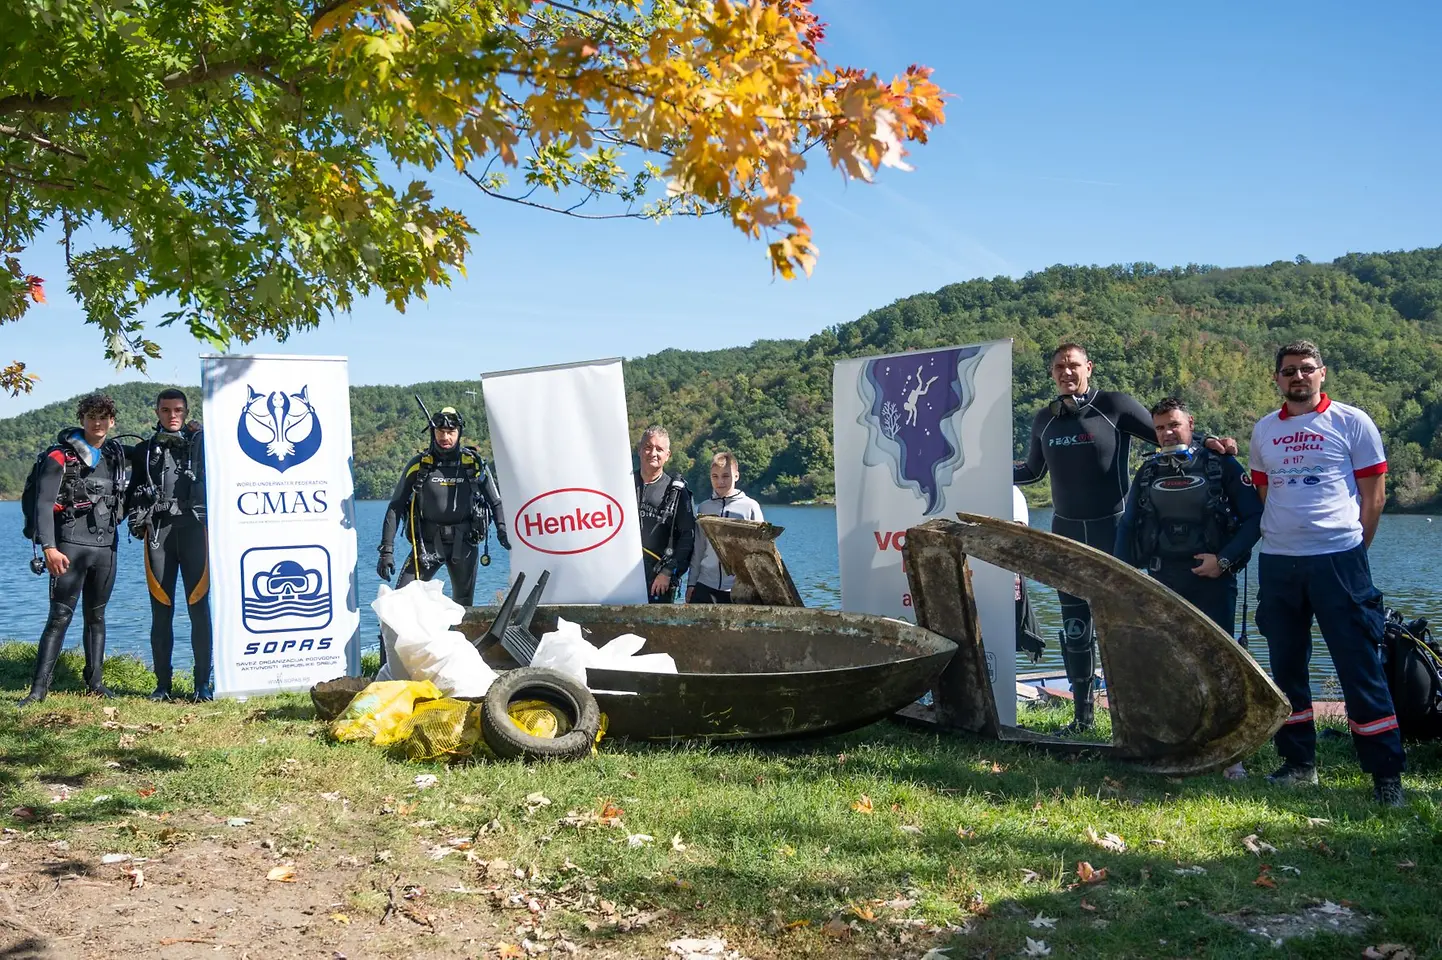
{"points": [[1182, 507]]}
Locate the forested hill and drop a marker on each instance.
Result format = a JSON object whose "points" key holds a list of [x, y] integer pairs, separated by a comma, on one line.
{"points": [[1207, 333]]}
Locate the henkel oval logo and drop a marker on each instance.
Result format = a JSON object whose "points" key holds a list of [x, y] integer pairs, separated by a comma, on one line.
{"points": [[568, 520]]}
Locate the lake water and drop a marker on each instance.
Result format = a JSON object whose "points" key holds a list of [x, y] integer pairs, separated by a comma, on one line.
{"points": [[1406, 557]]}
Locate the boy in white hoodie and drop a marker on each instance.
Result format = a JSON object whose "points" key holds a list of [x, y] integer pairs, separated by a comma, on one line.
{"points": [[708, 581]]}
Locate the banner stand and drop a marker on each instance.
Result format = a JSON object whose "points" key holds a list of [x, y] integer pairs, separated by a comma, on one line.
{"points": [[281, 522], [563, 463], [917, 436]]}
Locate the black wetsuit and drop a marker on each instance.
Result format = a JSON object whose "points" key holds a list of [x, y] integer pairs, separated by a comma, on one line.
{"points": [[1084, 445], [446, 501], [78, 515], [166, 506], [668, 530], [1180, 506]]}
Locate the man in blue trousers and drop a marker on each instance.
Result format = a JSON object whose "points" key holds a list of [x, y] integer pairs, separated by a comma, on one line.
{"points": [[1320, 468]]}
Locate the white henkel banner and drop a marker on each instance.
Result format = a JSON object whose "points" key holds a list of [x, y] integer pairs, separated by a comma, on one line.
{"points": [[281, 516], [918, 436], [559, 439]]}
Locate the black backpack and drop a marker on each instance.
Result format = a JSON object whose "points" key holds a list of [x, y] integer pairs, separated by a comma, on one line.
{"points": [[69, 480], [1412, 661]]}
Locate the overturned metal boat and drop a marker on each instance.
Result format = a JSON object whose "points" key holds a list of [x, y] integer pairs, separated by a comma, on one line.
{"points": [[747, 672], [1184, 696]]}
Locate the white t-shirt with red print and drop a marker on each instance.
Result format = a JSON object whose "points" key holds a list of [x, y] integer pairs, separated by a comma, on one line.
{"points": [[1310, 464]]}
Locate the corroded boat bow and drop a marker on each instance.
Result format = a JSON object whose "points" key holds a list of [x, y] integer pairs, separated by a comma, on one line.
{"points": [[1184, 697]]}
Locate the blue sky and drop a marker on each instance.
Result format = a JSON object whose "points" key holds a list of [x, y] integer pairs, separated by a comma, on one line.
{"points": [[1235, 133]]}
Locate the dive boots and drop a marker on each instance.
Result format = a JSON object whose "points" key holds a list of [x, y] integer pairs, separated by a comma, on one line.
{"points": [[51, 641], [1084, 705]]}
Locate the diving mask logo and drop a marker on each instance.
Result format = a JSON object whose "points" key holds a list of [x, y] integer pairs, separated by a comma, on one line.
{"points": [[285, 588], [914, 405], [279, 429]]}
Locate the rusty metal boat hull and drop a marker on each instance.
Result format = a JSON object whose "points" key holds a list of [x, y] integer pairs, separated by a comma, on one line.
{"points": [[748, 672], [1185, 698]]}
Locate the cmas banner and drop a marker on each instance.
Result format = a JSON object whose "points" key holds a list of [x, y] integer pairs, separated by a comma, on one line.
{"points": [[282, 521], [559, 438], [918, 436]]}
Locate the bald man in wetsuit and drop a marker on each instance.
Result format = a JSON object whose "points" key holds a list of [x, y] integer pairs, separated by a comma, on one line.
{"points": [[1083, 438]]}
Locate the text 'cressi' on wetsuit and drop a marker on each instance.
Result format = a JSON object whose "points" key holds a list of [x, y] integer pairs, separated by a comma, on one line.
{"points": [[167, 510], [77, 511], [444, 503]]}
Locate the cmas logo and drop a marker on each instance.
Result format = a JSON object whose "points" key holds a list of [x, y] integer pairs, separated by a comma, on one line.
{"points": [[279, 429]]}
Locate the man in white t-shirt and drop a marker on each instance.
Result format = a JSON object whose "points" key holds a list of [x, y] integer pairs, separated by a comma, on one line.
{"points": [[1319, 467]]}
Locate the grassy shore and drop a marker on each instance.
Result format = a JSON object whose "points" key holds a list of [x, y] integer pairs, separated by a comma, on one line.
{"points": [[886, 842]]}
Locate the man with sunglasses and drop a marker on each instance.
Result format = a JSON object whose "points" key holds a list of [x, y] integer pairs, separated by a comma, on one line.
{"points": [[1082, 438], [1320, 469]]}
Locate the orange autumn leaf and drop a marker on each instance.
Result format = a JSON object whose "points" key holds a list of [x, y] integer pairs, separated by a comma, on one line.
{"points": [[36, 288], [863, 805], [508, 950], [282, 874], [1087, 874]]}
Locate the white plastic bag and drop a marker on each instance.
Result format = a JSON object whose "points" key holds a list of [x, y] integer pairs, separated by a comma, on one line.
{"points": [[420, 616], [564, 649]]}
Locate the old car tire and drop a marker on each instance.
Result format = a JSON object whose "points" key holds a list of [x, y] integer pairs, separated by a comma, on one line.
{"points": [[575, 702]]}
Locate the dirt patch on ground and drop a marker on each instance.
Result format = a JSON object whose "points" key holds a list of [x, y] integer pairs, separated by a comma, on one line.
{"points": [[1326, 917], [210, 896]]}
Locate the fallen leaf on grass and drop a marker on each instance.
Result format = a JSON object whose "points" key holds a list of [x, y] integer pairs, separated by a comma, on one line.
{"points": [[136, 876], [509, 950], [1317, 821], [966, 833], [1157, 842], [863, 805], [610, 814], [1030, 876], [910, 828], [937, 953], [1255, 844], [282, 874], [1388, 951], [110, 858], [677, 845], [798, 924], [899, 903], [1109, 841], [862, 912], [1406, 865], [836, 929], [639, 839], [786, 850], [339, 918], [22, 813], [1040, 922], [1089, 907], [424, 781], [1193, 871], [1089, 875], [330, 797], [1264, 879], [238, 821], [1036, 948], [145, 791]]}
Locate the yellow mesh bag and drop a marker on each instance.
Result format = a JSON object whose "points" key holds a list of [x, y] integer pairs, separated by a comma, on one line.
{"points": [[380, 711], [538, 718], [443, 729]]}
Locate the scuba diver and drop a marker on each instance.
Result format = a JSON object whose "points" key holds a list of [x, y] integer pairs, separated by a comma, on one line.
{"points": [[165, 508], [73, 518], [1191, 519], [1083, 438], [444, 505], [667, 515]]}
